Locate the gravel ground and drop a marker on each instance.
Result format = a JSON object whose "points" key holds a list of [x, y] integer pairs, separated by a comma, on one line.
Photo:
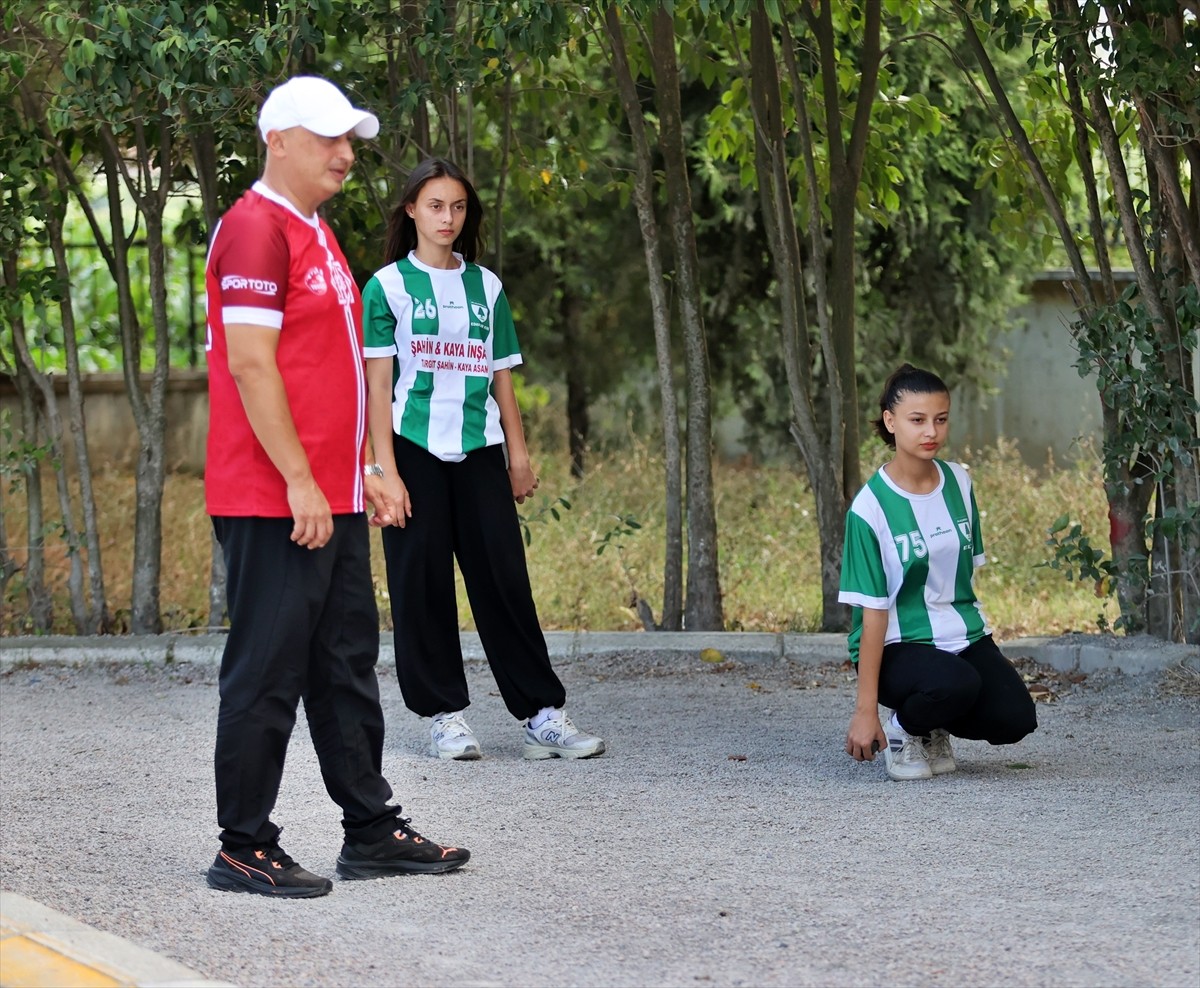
{"points": [[725, 839]]}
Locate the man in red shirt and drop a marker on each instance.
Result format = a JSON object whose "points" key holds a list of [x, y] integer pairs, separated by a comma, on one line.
{"points": [[286, 483]]}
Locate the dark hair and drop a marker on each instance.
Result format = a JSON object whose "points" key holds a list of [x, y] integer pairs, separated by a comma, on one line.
{"points": [[402, 232], [905, 380]]}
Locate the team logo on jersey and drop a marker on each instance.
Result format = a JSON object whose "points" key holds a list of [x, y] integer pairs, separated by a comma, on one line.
{"points": [[964, 526], [314, 281], [341, 282], [424, 308], [479, 321]]}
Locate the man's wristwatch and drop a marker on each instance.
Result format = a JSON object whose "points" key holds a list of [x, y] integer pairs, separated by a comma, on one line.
{"points": [[372, 470]]}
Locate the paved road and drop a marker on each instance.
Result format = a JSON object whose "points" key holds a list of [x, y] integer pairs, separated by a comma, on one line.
{"points": [[724, 840]]}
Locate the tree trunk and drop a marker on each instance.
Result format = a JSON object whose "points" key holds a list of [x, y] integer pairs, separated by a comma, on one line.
{"points": [[148, 410], [1134, 547], [151, 464], [41, 604], [9, 567], [1127, 507], [821, 456], [702, 610], [205, 162], [845, 174], [1175, 569], [99, 619], [502, 181], [643, 198], [419, 132], [43, 384]]}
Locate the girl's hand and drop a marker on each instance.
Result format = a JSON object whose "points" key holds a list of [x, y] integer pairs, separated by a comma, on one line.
{"points": [[389, 497], [865, 736], [523, 480]]}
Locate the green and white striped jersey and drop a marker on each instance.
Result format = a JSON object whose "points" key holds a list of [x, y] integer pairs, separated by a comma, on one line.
{"points": [[448, 331], [914, 555]]}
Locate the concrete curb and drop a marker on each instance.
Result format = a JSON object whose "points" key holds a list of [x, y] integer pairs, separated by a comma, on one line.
{"points": [[1068, 653], [40, 946], [1087, 654]]}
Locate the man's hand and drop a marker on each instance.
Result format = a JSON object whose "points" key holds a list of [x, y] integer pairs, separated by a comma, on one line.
{"points": [[389, 497], [310, 510]]}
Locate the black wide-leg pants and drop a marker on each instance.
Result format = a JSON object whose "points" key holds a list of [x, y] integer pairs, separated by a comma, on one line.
{"points": [[975, 694], [303, 625], [463, 510]]}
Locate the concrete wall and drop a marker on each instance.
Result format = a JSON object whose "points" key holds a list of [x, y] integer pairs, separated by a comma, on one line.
{"points": [[112, 434], [1040, 401]]}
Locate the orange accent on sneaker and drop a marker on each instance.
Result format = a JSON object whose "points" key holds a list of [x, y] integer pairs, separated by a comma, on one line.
{"points": [[447, 850], [245, 869]]}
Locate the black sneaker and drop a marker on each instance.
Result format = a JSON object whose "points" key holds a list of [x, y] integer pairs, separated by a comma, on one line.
{"points": [[265, 871], [403, 852]]}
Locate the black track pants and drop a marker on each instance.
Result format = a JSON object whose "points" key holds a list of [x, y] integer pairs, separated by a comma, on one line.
{"points": [[303, 625], [463, 510], [975, 694]]}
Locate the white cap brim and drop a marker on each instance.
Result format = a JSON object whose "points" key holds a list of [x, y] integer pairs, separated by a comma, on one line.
{"points": [[362, 123]]}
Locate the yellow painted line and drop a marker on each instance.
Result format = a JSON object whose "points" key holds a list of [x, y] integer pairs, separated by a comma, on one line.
{"points": [[24, 963]]}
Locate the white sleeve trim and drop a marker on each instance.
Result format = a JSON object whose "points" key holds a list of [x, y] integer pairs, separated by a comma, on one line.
{"points": [[862, 600], [249, 315], [371, 352], [507, 363]]}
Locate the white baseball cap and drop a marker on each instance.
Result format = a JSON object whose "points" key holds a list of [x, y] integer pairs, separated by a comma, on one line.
{"points": [[314, 104]]}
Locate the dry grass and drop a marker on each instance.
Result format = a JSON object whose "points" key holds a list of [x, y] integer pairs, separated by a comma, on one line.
{"points": [[1180, 680], [768, 547]]}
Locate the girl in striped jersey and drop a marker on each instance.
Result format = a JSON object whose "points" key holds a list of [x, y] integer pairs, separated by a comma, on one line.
{"points": [[920, 642], [440, 346]]}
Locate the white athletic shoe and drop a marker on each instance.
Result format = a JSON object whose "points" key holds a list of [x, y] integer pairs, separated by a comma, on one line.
{"points": [[939, 752], [452, 739], [905, 756], [559, 738]]}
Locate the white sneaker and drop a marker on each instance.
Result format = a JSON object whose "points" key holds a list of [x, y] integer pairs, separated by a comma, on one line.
{"points": [[452, 739], [905, 757], [557, 737], [939, 752]]}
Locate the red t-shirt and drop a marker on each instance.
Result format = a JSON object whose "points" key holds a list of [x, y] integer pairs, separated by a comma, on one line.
{"points": [[269, 265]]}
